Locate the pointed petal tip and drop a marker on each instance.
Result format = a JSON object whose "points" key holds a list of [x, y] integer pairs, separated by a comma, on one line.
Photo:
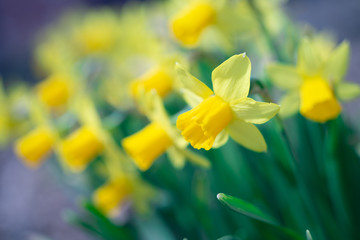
{"points": [[220, 196]]}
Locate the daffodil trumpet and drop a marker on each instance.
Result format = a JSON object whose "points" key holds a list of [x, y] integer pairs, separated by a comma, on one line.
{"points": [[158, 137], [188, 24], [226, 111]]}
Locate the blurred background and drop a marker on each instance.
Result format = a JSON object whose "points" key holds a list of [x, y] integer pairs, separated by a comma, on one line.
{"points": [[31, 202]]}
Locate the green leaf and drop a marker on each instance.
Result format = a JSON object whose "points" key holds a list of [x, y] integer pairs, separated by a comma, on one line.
{"points": [[246, 208], [308, 235], [252, 211], [228, 237]]}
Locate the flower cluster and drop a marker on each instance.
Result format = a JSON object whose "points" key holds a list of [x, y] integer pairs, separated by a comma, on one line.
{"points": [[119, 96]]}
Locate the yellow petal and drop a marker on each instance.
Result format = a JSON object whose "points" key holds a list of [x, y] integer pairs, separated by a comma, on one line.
{"points": [[309, 61], [221, 139], [176, 157], [190, 83], [231, 79], [191, 98], [252, 111], [284, 76], [247, 135], [290, 104], [347, 91], [337, 64]]}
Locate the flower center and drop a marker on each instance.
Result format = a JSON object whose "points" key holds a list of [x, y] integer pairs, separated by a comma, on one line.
{"points": [[188, 24], [202, 124], [157, 79], [80, 148], [54, 91], [146, 145], [35, 146], [318, 102]]}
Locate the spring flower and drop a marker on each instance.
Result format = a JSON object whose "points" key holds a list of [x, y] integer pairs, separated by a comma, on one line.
{"points": [[316, 83], [210, 23], [110, 196], [55, 90], [96, 32], [158, 79], [188, 24], [35, 146], [80, 148], [157, 138], [226, 111]]}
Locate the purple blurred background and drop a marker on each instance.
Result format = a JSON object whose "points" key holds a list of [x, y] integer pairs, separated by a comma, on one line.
{"points": [[31, 202]]}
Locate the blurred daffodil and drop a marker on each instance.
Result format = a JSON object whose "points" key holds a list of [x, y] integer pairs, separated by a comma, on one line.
{"points": [[80, 148], [110, 196], [158, 79], [55, 90], [35, 146], [189, 23], [316, 83], [96, 32], [158, 137], [226, 111]]}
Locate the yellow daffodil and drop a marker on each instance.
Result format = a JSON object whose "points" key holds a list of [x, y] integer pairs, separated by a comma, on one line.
{"points": [[188, 24], [158, 137], [210, 23], [96, 32], [4, 116], [316, 83], [226, 111], [80, 148], [55, 90], [158, 79], [35, 146], [109, 197]]}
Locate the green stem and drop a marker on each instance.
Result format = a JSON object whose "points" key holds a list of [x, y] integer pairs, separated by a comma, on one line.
{"points": [[269, 39]]}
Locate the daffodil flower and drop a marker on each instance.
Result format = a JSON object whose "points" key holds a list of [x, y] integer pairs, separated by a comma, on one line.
{"points": [[188, 24], [80, 147], [55, 90], [158, 78], [158, 137], [316, 83], [111, 196], [226, 111], [35, 146]]}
